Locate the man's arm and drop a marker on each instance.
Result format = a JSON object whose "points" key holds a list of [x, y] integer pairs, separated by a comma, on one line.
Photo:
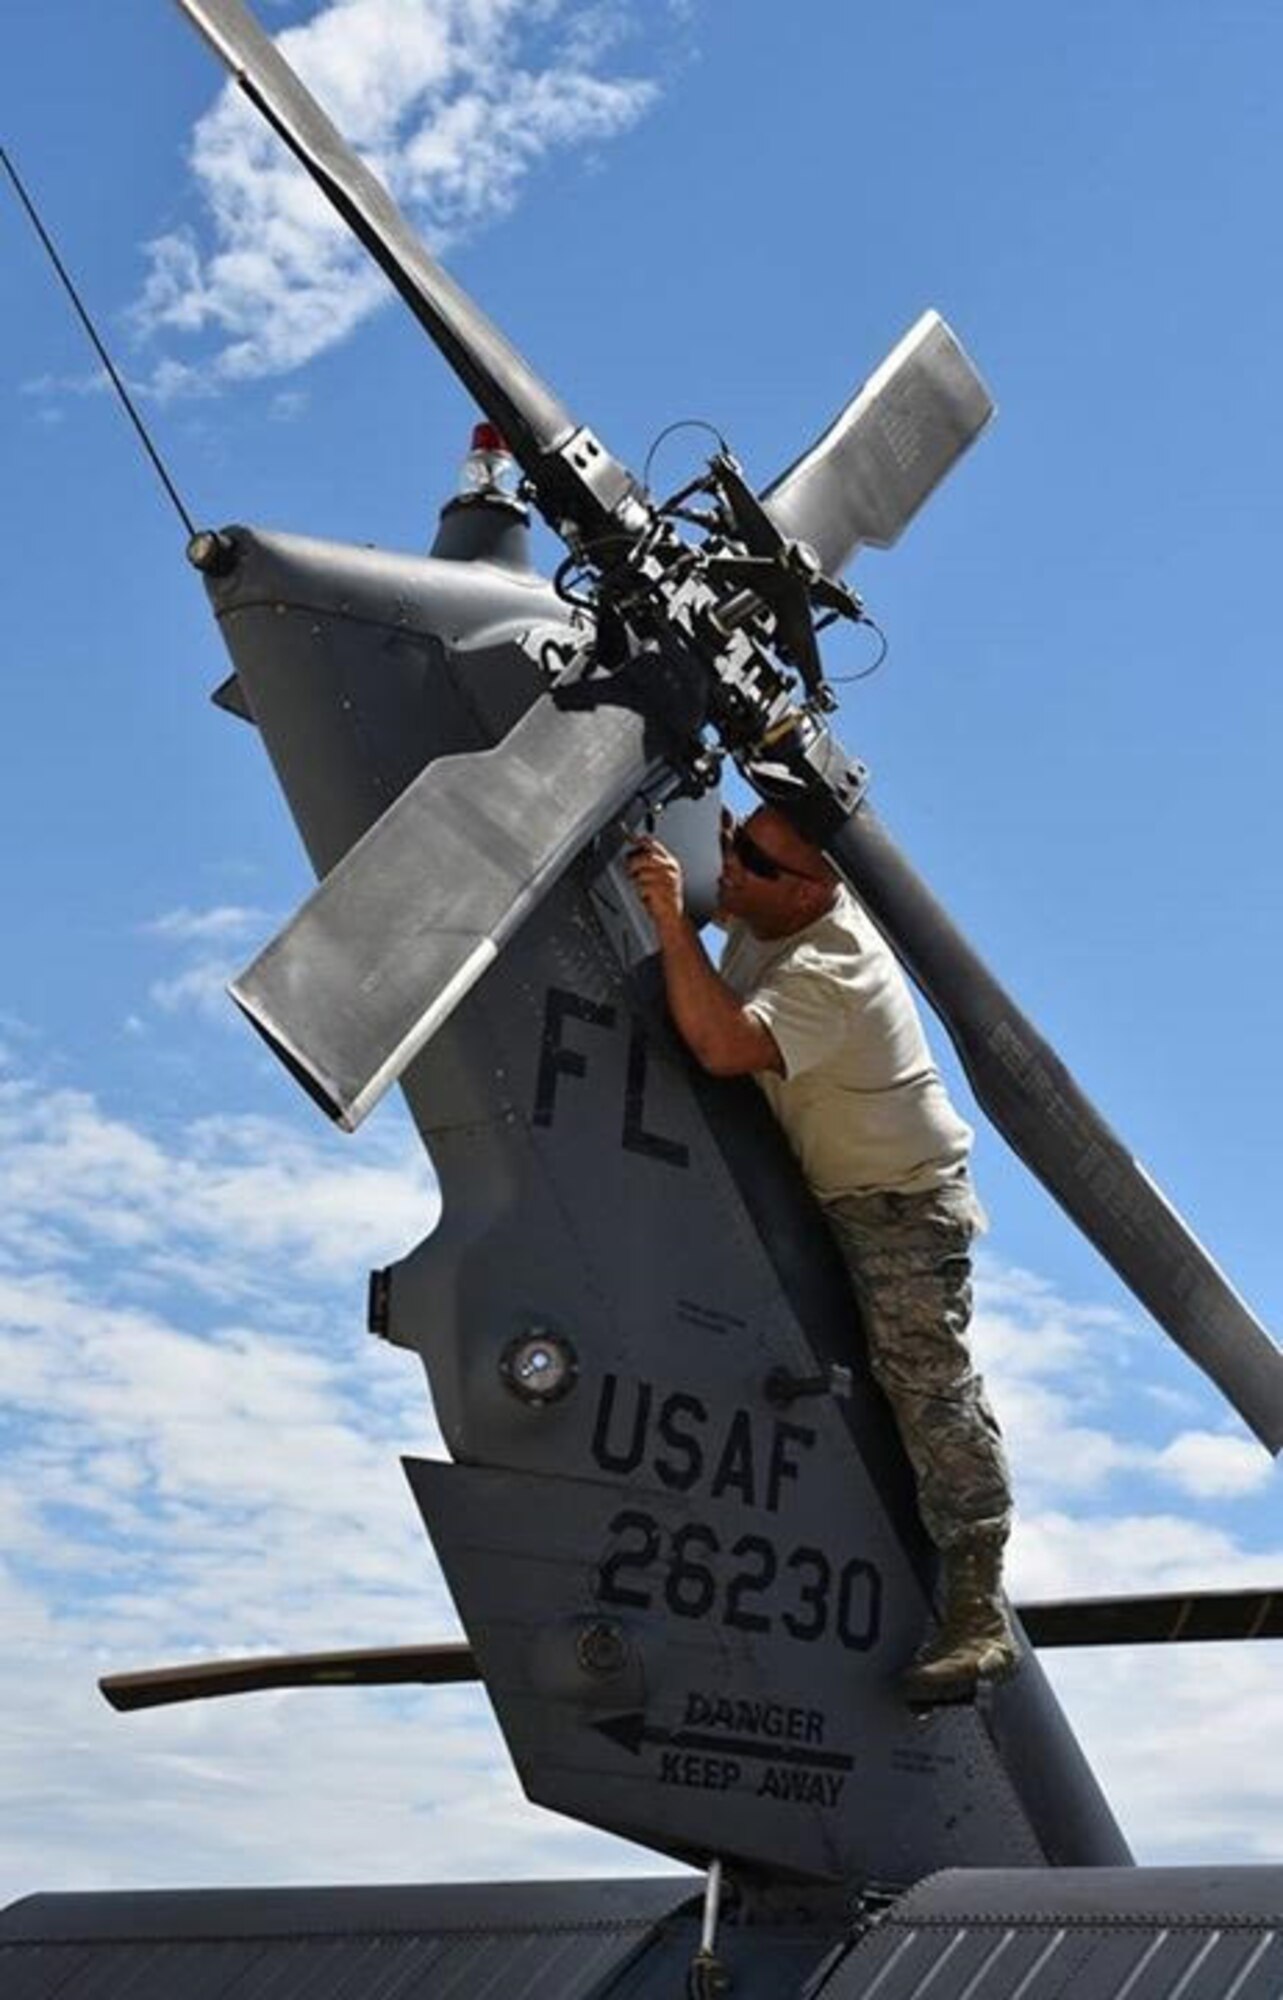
{"points": [[720, 1033]]}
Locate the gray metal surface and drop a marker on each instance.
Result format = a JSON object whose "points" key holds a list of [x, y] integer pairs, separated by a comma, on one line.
{"points": [[638, 1246], [867, 476], [349, 989], [345, 646], [380, 955], [1077, 1934], [629, 1940], [709, 1738], [542, 1941], [593, 1182]]}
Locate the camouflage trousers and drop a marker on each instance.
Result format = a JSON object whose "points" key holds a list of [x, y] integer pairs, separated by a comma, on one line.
{"points": [[909, 1257]]}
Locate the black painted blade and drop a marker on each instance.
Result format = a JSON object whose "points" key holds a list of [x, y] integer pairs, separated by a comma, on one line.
{"points": [[1032, 1099], [532, 419], [867, 476], [1155, 1621], [389, 1666], [406, 923]]}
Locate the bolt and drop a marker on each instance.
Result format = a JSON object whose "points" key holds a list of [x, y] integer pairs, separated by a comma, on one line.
{"points": [[601, 1650]]}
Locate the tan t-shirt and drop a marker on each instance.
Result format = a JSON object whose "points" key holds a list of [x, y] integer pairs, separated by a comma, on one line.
{"points": [[860, 1100]]}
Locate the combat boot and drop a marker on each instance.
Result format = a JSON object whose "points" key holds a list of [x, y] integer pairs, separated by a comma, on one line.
{"points": [[974, 1641]]}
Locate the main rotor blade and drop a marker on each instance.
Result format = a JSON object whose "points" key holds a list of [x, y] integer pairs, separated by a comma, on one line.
{"points": [[1092, 1621], [383, 951], [1035, 1103], [867, 476], [1155, 1621], [387, 1666], [533, 420]]}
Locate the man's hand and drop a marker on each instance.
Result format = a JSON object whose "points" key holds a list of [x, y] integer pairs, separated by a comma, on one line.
{"points": [[657, 877], [718, 1031]]}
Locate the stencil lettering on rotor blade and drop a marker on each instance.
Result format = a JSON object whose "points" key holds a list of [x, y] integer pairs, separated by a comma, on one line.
{"points": [[558, 1057], [740, 1457]]}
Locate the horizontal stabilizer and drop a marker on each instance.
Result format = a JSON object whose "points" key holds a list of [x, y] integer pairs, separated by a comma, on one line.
{"points": [[866, 478], [395, 936]]}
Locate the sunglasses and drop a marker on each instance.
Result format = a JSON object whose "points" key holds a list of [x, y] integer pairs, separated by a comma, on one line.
{"points": [[756, 861]]}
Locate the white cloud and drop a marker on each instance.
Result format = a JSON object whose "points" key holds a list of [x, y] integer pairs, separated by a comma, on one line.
{"points": [[227, 1195], [201, 1457], [1182, 1741], [234, 921], [91, 384], [200, 989], [204, 938], [1173, 1733], [451, 102], [1057, 1554], [1211, 1466], [288, 405], [1067, 1380]]}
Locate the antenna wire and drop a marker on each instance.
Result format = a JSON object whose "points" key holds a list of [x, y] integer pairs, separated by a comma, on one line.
{"points": [[102, 353]]}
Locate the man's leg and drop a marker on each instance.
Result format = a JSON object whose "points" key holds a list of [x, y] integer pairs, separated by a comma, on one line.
{"points": [[909, 1260], [910, 1263]]}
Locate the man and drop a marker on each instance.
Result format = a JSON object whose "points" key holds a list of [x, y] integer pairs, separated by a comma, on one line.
{"points": [[810, 1001]]}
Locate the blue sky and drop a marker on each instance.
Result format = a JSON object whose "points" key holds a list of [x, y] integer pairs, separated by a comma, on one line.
{"points": [[676, 210]]}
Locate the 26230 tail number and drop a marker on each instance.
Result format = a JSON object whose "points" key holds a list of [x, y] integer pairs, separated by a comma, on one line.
{"points": [[750, 1586]]}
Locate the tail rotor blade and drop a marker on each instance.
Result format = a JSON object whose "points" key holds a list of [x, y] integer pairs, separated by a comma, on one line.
{"points": [[395, 936], [1155, 1621], [390, 1666], [867, 476], [1046, 1118]]}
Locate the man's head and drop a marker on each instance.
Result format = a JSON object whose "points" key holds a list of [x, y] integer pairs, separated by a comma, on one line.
{"points": [[771, 878]]}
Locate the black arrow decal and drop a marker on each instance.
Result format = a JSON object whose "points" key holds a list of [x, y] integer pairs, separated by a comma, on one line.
{"points": [[631, 1731]]}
